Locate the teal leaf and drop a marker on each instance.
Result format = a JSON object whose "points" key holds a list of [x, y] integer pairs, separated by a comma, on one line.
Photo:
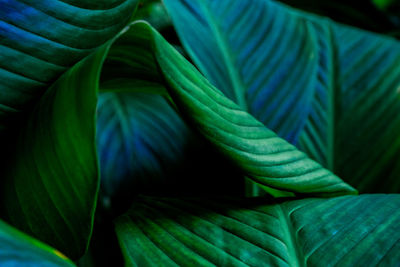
{"points": [[263, 157], [328, 88], [40, 40], [344, 231], [18, 249]]}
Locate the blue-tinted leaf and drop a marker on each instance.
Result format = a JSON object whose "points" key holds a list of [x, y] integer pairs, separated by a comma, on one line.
{"points": [[39, 40], [140, 138], [263, 156], [143, 143], [18, 249], [330, 89]]}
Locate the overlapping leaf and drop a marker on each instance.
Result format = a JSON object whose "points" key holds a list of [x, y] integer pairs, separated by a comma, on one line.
{"points": [[50, 182], [18, 249], [39, 40], [344, 231], [144, 145], [331, 89], [50, 179], [263, 156]]}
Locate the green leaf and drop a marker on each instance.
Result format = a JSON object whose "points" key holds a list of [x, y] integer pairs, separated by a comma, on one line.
{"points": [[344, 231], [40, 40], [18, 249], [144, 145], [263, 156], [50, 182], [383, 4], [154, 12], [330, 89]]}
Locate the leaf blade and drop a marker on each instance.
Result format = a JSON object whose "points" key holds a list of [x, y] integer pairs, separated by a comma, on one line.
{"points": [[51, 180], [351, 79], [40, 40], [239, 231], [264, 157]]}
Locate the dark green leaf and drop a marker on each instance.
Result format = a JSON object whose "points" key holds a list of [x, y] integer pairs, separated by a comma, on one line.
{"points": [[154, 12], [18, 249], [344, 231], [39, 40], [263, 156], [330, 89], [51, 181], [144, 145]]}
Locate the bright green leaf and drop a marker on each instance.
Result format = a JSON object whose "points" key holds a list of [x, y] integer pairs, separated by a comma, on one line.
{"points": [[344, 231], [263, 156], [330, 89]]}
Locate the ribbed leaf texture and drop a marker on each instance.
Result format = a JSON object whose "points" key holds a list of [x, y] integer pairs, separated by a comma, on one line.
{"points": [[39, 40], [50, 181], [141, 139], [261, 154], [344, 231], [144, 145], [330, 89]]}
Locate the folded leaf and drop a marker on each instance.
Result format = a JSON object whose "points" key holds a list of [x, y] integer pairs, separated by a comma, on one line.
{"points": [[344, 231], [50, 182], [144, 145], [18, 249], [264, 157], [330, 89], [39, 40], [50, 179]]}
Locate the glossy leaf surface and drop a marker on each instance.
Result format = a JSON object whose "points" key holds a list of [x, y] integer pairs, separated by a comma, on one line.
{"points": [[40, 40], [144, 144], [344, 231], [51, 180], [263, 156], [330, 89]]}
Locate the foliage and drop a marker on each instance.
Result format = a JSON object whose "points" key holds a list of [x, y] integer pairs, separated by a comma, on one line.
{"points": [[202, 108]]}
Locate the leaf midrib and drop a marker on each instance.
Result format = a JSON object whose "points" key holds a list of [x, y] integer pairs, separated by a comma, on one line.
{"points": [[238, 87], [295, 253]]}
